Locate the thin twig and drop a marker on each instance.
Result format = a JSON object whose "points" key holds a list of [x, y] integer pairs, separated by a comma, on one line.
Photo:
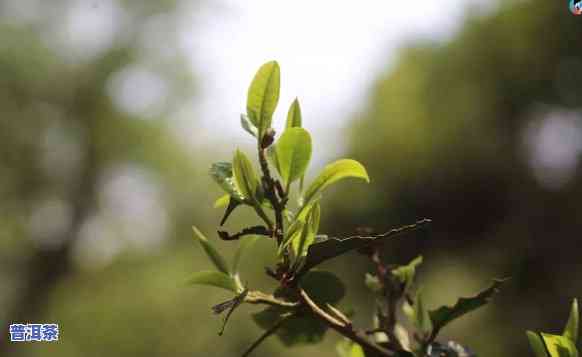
{"points": [[392, 295], [341, 328], [257, 297], [267, 333]]}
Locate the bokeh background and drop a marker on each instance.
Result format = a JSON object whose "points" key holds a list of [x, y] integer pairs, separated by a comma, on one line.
{"points": [[466, 112]]}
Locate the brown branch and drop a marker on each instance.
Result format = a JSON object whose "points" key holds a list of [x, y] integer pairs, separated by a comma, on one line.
{"points": [[271, 194], [342, 328], [255, 230]]}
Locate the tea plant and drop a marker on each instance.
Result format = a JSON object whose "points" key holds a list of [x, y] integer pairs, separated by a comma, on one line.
{"points": [[305, 303], [564, 345]]}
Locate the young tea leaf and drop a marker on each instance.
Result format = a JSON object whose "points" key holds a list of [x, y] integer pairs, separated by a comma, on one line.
{"points": [[222, 201], [308, 232], [445, 314], [213, 278], [212, 253], [272, 157], [294, 115], [537, 344], [244, 176], [221, 172], [422, 318], [572, 329], [333, 172], [559, 346], [263, 96], [244, 245], [406, 273], [373, 283], [293, 151], [247, 125], [294, 230], [347, 348]]}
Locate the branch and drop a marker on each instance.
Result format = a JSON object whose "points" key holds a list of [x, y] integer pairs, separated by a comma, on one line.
{"points": [[270, 187], [392, 294], [256, 230], [257, 297], [343, 329]]}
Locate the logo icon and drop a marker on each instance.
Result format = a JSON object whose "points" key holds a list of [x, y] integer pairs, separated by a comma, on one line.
{"points": [[576, 7]]}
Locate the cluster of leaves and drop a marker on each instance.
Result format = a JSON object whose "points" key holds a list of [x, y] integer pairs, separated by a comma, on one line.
{"points": [[396, 291], [306, 302], [564, 345]]}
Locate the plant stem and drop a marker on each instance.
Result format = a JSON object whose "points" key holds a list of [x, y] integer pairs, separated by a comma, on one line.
{"points": [[278, 205], [258, 297], [342, 328], [267, 333], [306, 304], [387, 318]]}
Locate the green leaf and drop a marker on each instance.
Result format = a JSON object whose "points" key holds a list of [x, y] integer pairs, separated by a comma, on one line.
{"points": [[347, 348], [406, 273], [315, 218], [559, 346], [445, 314], [322, 287], [293, 154], [422, 318], [333, 247], [263, 96], [213, 278], [212, 253], [295, 229], [222, 201], [272, 157], [571, 330], [244, 176], [373, 283], [537, 344], [244, 245], [294, 115], [308, 232], [333, 172], [247, 125], [296, 330], [221, 172]]}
